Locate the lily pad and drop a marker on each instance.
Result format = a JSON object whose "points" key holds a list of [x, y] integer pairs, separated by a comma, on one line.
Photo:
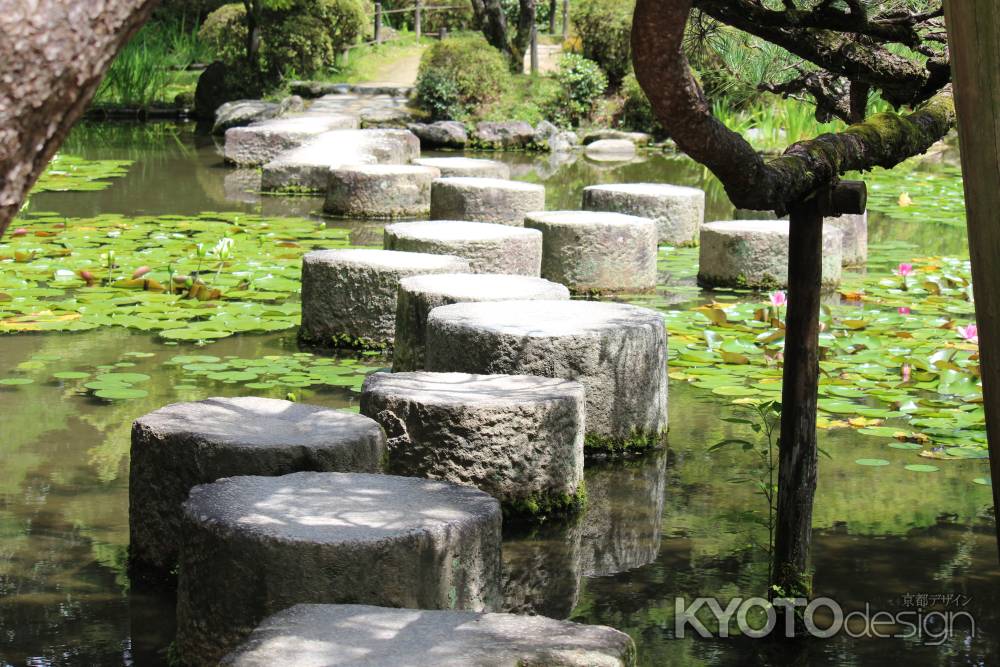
{"points": [[872, 462]]}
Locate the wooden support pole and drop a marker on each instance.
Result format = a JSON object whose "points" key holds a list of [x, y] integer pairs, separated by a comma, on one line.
{"points": [[378, 22], [534, 50], [416, 20], [974, 45], [553, 15], [797, 451], [565, 18]]}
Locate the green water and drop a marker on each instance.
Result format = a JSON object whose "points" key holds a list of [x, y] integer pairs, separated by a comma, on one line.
{"points": [[659, 527]]}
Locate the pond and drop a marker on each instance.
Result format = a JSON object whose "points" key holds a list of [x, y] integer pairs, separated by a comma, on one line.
{"points": [[903, 514]]}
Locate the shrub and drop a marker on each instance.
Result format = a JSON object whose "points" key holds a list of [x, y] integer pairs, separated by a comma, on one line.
{"points": [[466, 69], [297, 36], [605, 27], [438, 94], [636, 112], [581, 84], [225, 32]]}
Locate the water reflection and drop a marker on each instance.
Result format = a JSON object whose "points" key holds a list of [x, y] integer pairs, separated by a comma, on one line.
{"points": [[621, 528], [541, 569]]}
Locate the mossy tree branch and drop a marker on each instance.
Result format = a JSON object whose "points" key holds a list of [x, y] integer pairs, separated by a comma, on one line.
{"points": [[752, 182]]}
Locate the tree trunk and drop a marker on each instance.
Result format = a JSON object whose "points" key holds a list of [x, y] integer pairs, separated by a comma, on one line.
{"points": [[54, 54], [553, 12], [522, 38], [800, 383], [492, 21], [974, 40]]}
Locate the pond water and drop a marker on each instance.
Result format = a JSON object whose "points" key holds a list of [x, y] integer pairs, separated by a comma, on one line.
{"points": [[667, 525]]}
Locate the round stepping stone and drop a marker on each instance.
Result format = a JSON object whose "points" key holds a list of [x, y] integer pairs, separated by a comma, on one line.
{"points": [[464, 166], [677, 210], [610, 150], [421, 294], [185, 444], [596, 252], [754, 254], [332, 635], [253, 546], [854, 228], [617, 351], [621, 529], [349, 296], [380, 190], [485, 200], [489, 248], [259, 143], [519, 438]]}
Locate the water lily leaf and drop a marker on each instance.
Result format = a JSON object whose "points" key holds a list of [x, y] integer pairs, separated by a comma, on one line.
{"points": [[120, 393], [13, 382], [872, 462], [71, 375], [919, 467]]}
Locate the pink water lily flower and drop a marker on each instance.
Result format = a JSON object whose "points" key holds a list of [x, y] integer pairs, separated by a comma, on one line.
{"points": [[969, 333], [904, 269], [778, 298], [904, 310], [906, 372]]}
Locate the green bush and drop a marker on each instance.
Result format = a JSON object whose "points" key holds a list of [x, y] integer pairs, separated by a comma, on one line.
{"points": [[298, 37], [581, 84], [225, 32], [438, 94], [466, 68], [636, 111], [605, 30]]}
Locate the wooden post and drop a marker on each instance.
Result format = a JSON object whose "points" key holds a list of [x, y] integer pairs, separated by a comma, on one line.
{"points": [[345, 56], [553, 12], [974, 45], [416, 20], [442, 34], [565, 18], [534, 50], [378, 22], [800, 383]]}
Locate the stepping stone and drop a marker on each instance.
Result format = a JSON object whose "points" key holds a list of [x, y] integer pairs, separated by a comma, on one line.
{"points": [[610, 150], [519, 438], [331, 635], [597, 252], [637, 138], [308, 167], [617, 351], [485, 200], [349, 296], [621, 528], [262, 142], [754, 254], [185, 444], [854, 228], [380, 191], [677, 210], [463, 166], [252, 546], [489, 248], [421, 294]]}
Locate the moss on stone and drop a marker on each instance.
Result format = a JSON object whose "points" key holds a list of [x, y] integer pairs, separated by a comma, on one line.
{"points": [[543, 506], [345, 342], [609, 447]]}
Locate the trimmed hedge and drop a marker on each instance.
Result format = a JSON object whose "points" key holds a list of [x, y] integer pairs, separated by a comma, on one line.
{"points": [[461, 75], [301, 38], [605, 31]]}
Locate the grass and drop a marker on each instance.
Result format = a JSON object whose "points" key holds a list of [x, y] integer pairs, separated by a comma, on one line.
{"points": [[525, 100], [152, 68]]}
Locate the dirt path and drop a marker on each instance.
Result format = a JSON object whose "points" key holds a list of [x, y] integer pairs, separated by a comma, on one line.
{"points": [[401, 72]]}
